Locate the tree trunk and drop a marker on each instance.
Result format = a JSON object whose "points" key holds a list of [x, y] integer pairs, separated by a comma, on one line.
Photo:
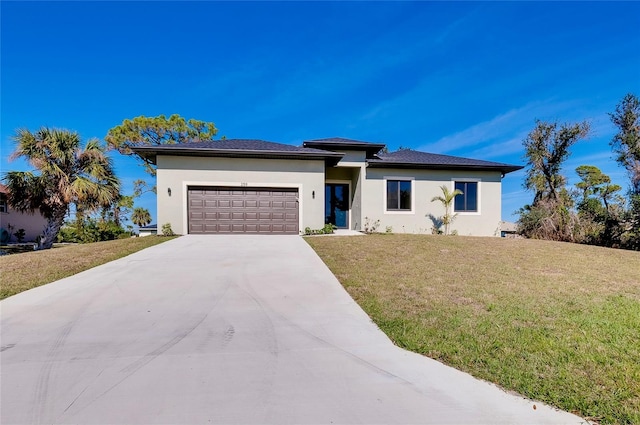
{"points": [[54, 223]]}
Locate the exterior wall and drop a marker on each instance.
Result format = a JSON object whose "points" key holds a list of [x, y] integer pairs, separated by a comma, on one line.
{"points": [[179, 172], [352, 157], [33, 224], [425, 185]]}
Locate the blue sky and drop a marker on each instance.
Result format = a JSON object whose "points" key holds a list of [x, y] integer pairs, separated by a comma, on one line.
{"points": [[466, 79]]}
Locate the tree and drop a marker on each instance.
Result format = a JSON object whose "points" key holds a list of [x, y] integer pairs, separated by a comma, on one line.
{"points": [[158, 130], [626, 143], [595, 182], [546, 149], [68, 174], [599, 215], [447, 199], [141, 217], [117, 212], [550, 216]]}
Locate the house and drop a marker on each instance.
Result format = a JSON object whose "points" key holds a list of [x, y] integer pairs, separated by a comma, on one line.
{"points": [[509, 229], [254, 186], [11, 221], [148, 230]]}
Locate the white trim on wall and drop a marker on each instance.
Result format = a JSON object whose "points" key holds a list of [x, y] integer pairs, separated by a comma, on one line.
{"points": [[479, 200], [413, 194], [185, 194]]}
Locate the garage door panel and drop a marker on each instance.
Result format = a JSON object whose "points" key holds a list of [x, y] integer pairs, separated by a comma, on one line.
{"points": [[237, 227], [250, 210], [291, 228], [223, 228]]}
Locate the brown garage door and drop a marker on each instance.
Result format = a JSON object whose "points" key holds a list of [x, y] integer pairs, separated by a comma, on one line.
{"points": [[242, 210]]}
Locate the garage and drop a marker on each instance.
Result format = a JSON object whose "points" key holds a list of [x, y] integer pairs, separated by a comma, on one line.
{"points": [[242, 210]]}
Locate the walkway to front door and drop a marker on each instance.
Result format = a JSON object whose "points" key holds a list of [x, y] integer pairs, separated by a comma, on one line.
{"points": [[336, 205]]}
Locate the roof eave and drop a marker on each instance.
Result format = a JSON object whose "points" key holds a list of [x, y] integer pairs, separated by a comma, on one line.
{"points": [[151, 153], [388, 164], [370, 148]]}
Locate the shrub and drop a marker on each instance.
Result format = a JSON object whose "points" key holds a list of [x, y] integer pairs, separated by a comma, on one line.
{"points": [[167, 230], [19, 234], [369, 226], [326, 230]]}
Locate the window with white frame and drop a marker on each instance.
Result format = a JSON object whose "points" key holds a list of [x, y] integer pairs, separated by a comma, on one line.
{"points": [[399, 195], [468, 201]]}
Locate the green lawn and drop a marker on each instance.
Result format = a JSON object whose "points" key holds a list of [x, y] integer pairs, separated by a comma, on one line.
{"points": [[20, 272], [556, 322]]}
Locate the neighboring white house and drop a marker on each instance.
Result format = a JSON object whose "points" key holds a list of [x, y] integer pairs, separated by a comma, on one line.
{"points": [[253, 186], [148, 230], [11, 221]]}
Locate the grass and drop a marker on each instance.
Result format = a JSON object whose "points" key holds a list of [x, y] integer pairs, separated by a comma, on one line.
{"points": [[24, 271], [555, 322]]}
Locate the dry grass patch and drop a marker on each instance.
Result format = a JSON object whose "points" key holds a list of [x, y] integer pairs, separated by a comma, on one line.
{"points": [[30, 269], [555, 322]]}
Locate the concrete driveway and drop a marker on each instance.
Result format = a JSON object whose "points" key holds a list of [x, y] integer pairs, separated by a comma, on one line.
{"points": [[224, 329]]}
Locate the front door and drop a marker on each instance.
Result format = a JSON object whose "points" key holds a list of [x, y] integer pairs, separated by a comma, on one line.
{"points": [[336, 204]]}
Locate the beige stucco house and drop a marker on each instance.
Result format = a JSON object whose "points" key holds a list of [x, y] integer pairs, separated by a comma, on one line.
{"points": [[253, 186], [11, 221]]}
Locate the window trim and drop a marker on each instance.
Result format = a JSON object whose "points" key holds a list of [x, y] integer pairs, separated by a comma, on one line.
{"points": [[479, 194], [384, 195]]}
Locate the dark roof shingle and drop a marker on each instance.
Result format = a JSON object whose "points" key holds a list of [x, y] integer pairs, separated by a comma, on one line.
{"points": [[340, 143], [237, 148], [408, 158], [241, 145]]}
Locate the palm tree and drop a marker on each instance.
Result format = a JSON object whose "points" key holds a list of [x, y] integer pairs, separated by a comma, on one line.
{"points": [[67, 174], [446, 199], [141, 217]]}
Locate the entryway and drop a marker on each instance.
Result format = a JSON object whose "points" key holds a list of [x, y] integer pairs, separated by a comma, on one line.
{"points": [[336, 201]]}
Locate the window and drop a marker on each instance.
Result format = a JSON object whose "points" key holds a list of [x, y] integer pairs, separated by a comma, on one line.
{"points": [[398, 195], [3, 203], [468, 201]]}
